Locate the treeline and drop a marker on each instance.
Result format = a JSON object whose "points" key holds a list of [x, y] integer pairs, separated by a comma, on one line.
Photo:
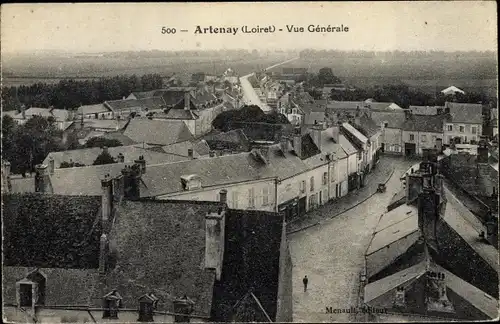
{"points": [[70, 94], [249, 114], [309, 53], [402, 95]]}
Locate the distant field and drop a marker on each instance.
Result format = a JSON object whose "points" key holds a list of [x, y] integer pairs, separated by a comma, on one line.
{"points": [[52, 69], [426, 74]]}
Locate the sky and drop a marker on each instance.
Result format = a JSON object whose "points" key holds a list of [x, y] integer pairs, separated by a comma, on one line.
{"points": [[383, 26]]}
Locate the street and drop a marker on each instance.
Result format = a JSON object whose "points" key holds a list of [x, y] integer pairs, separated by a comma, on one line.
{"points": [[250, 97], [332, 257]]}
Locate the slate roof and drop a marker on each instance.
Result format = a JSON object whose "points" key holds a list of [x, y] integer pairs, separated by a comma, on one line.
{"points": [[424, 123], [249, 309], [158, 132], [465, 112], [142, 104], [92, 109], [349, 128], [474, 296], [153, 257], [313, 117], [51, 231], [395, 119], [394, 226], [130, 152], [199, 148], [347, 146], [328, 145], [118, 135], [64, 286]]}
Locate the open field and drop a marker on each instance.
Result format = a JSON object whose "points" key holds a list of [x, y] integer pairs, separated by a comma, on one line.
{"points": [[50, 69]]}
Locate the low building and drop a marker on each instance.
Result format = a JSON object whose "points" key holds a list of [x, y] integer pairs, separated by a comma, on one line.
{"points": [[62, 118], [157, 132], [421, 132], [138, 107], [452, 90], [97, 111], [464, 123]]}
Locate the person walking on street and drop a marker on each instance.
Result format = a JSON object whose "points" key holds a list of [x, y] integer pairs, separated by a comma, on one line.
{"points": [[305, 281]]}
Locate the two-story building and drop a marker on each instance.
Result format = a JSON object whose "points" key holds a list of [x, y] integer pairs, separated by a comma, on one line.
{"points": [[464, 123], [391, 123], [421, 132]]}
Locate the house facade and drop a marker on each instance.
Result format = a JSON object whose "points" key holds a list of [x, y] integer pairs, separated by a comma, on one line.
{"points": [[421, 132], [464, 123]]}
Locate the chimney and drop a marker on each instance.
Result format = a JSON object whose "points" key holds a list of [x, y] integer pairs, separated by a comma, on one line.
{"points": [[131, 182], [103, 254], [436, 296], [211, 153], [106, 202], [214, 240], [23, 111], [336, 132], [117, 189], [183, 307], [51, 165], [42, 180], [284, 144], [297, 145], [187, 100], [6, 176], [190, 153], [223, 196], [413, 183], [121, 158], [428, 212], [316, 135], [482, 150], [105, 149], [142, 163]]}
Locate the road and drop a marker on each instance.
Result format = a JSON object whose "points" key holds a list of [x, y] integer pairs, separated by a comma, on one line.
{"points": [[250, 97], [332, 256]]}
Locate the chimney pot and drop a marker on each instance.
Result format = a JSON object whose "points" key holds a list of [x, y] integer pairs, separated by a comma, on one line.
{"points": [[187, 100], [223, 196], [190, 153]]}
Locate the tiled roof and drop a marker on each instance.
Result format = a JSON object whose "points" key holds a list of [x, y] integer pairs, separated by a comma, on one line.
{"points": [[394, 119], [64, 286], [465, 112], [234, 139], [368, 126], [51, 231], [425, 110], [92, 109], [158, 132], [130, 153], [142, 104], [153, 257], [424, 123]]}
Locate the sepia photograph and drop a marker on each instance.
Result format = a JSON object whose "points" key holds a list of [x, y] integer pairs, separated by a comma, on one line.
{"points": [[327, 162]]}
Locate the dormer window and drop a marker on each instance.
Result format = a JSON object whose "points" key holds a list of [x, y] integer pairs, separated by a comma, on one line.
{"points": [[31, 290], [191, 182], [111, 302], [147, 305]]}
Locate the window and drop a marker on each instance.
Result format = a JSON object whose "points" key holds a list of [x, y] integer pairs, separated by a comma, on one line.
{"points": [[473, 139], [294, 111], [412, 137], [461, 128], [303, 186], [386, 124], [474, 130], [465, 139], [251, 197], [265, 196], [312, 183], [235, 199], [325, 178], [332, 173], [450, 128], [423, 138], [25, 295], [450, 139]]}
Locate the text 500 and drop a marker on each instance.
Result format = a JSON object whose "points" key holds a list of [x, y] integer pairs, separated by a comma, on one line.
{"points": [[168, 30]]}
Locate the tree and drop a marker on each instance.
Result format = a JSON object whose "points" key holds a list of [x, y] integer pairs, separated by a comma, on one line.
{"points": [[101, 142], [70, 164], [104, 158], [326, 76]]}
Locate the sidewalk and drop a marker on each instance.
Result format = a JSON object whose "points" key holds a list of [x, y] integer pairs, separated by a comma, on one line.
{"points": [[381, 174]]}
